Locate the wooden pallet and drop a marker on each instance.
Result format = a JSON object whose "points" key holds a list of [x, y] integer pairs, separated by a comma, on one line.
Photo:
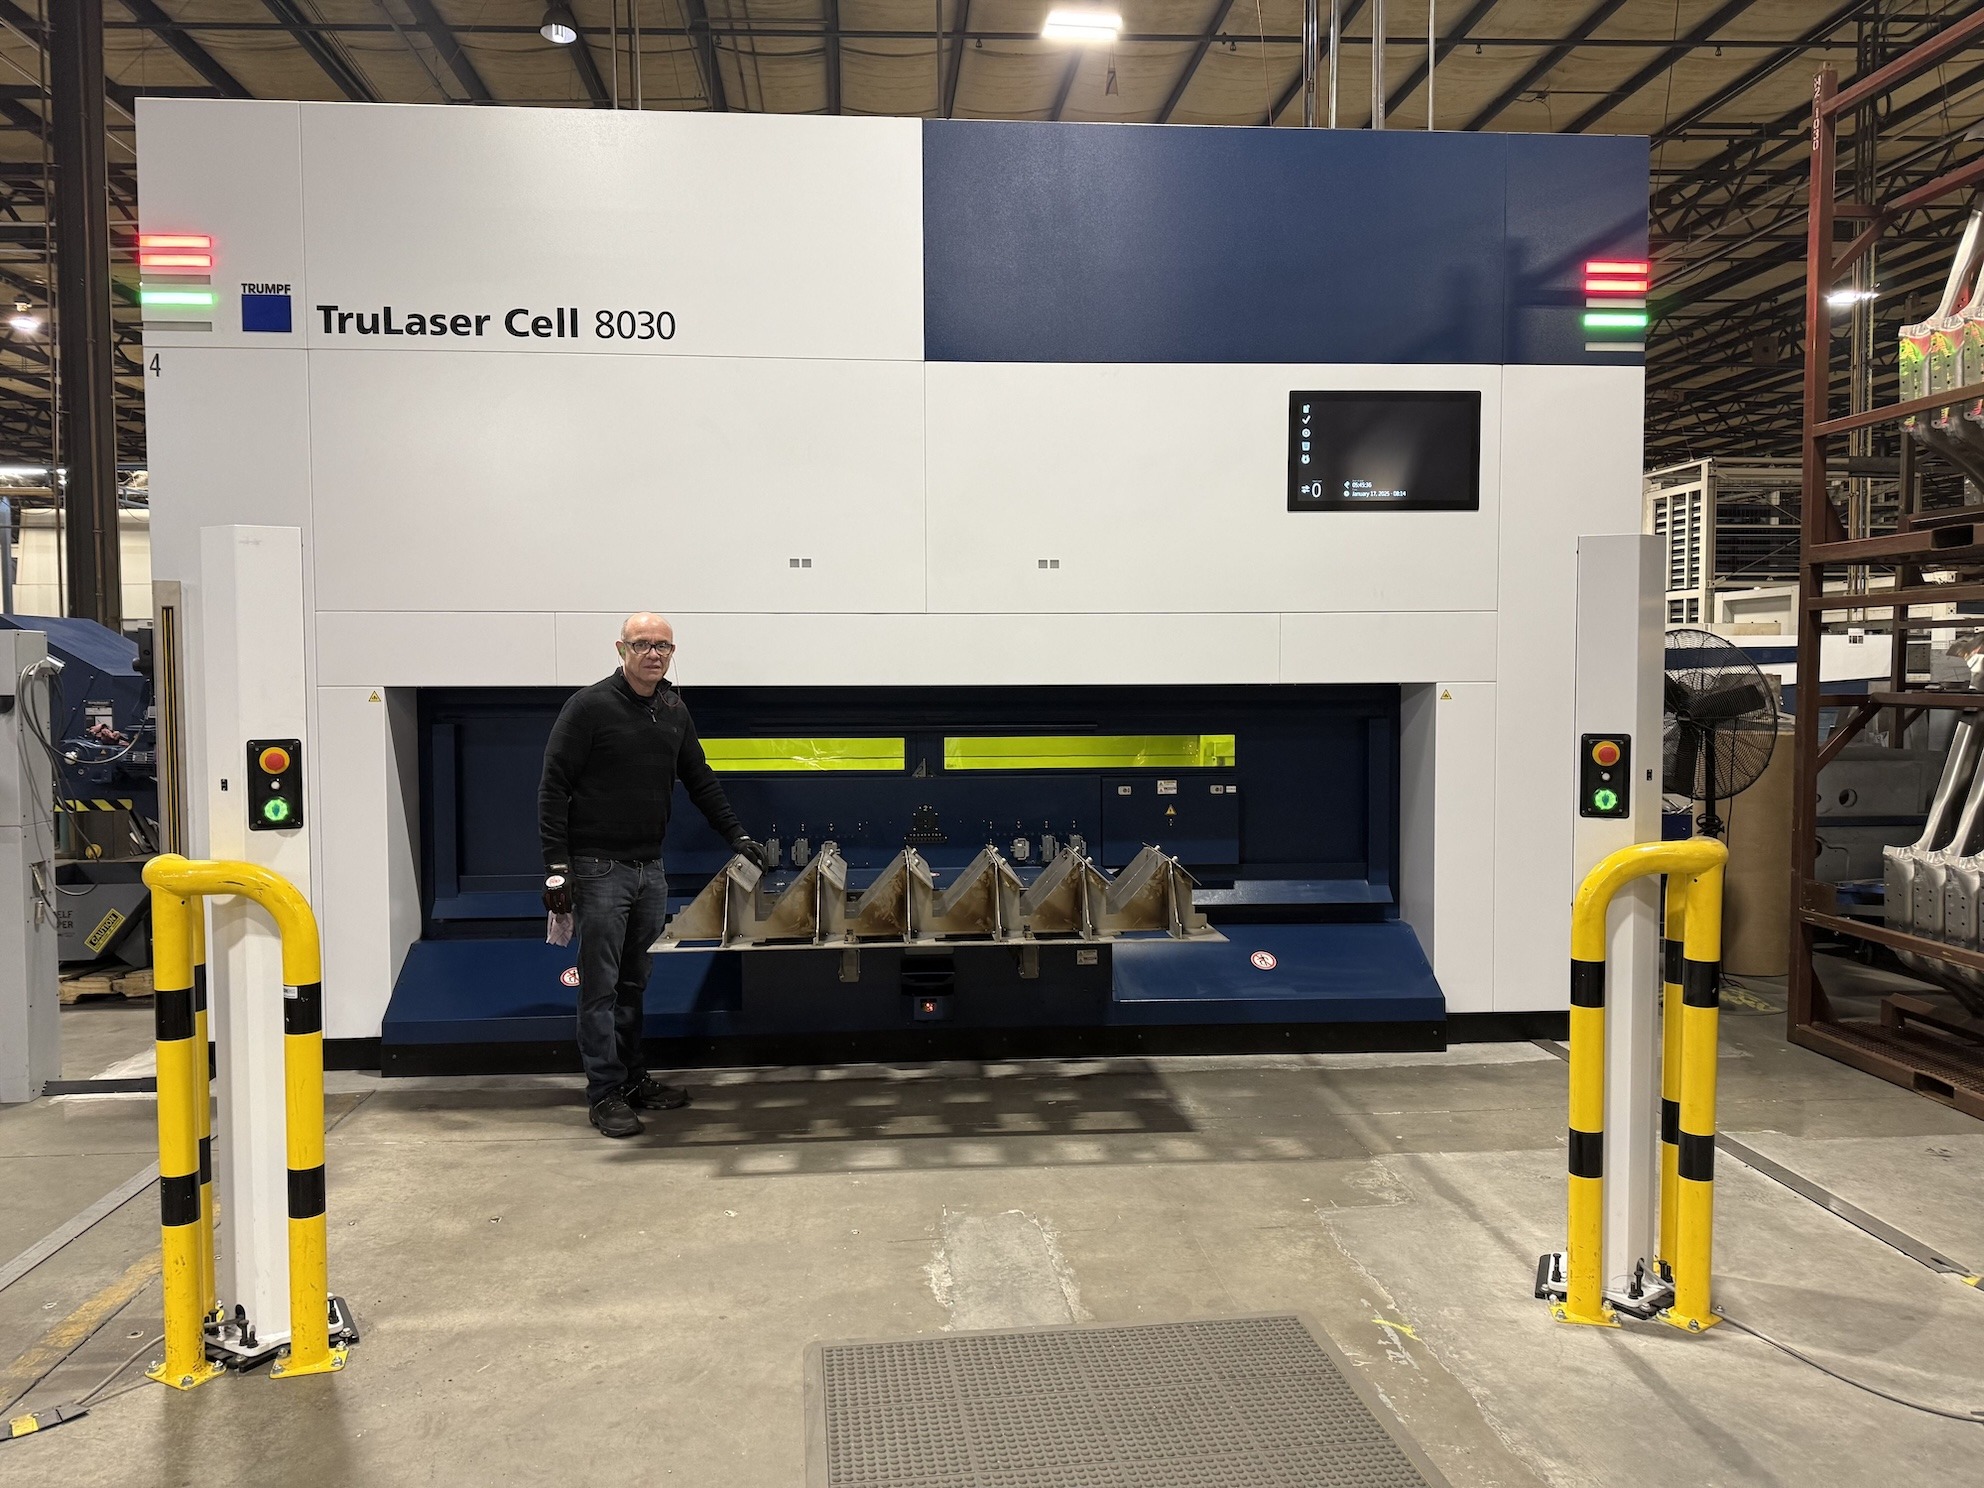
{"points": [[103, 984]]}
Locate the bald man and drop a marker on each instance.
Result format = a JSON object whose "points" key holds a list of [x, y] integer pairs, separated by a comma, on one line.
{"points": [[610, 770]]}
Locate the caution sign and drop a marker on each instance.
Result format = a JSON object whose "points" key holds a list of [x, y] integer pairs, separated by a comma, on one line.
{"points": [[106, 927]]}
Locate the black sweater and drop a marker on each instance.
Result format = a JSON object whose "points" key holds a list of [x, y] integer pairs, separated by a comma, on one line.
{"points": [[610, 772]]}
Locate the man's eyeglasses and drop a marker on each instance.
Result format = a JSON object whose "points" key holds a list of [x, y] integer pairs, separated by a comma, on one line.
{"points": [[642, 648]]}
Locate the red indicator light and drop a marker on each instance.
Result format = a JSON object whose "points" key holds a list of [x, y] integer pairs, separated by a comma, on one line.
{"points": [[176, 253], [274, 761], [1616, 286], [1631, 268], [1605, 752]]}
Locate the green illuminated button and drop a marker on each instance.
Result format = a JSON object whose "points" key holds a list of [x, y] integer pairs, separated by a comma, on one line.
{"points": [[1602, 800], [277, 810]]}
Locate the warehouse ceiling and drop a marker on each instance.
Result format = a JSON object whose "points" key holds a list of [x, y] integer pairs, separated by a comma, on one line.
{"points": [[1723, 87]]}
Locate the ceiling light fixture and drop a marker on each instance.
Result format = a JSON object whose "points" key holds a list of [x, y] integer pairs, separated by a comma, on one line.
{"points": [[558, 27], [1082, 25], [1846, 299]]}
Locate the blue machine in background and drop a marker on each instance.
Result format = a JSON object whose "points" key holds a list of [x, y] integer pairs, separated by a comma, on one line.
{"points": [[103, 738], [1282, 801], [100, 686]]}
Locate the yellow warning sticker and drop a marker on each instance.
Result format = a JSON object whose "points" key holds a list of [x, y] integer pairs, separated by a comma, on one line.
{"points": [[1446, 694], [106, 927], [375, 696]]}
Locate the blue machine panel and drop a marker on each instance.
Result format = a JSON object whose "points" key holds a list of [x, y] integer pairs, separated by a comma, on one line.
{"points": [[1294, 844], [1310, 800], [1280, 973], [1111, 243], [1195, 817], [454, 992]]}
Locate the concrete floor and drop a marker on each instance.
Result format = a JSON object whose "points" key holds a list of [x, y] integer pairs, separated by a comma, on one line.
{"points": [[543, 1306]]}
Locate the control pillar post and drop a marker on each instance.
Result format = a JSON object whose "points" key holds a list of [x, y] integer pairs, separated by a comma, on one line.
{"points": [[1618, 673], [250, 609]]}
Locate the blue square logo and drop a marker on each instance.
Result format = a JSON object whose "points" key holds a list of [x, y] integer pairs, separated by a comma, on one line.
{"points": [[264, 312]]}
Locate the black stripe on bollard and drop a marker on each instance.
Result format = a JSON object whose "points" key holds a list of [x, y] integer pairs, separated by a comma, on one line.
{"points": [[172, 1014], [1670, 1122], [303, 1008], [1670, 961], [1587, 984], [306, 1192], [1587, 1154], [1701, 984], [1697, 1158], [179, 1200]]}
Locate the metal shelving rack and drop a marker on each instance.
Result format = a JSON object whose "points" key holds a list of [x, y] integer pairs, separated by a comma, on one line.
{"points": [[1912, 1043]]}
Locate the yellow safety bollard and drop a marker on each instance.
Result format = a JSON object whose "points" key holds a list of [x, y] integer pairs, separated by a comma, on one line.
{"points": [[1701, 975], [1670, 1070], [310, 1348], [203, 1106], [1584, 1249], [185, 1364]]}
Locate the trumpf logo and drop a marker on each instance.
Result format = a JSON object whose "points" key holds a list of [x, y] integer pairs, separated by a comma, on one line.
{"points": [[265, 307]]}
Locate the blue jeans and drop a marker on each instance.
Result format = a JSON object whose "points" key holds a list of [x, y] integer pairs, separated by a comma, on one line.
{"points": [[618, 909]]}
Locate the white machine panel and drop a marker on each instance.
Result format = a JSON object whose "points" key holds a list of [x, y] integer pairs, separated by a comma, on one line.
{"points": [[449, 481], [1142, 481]]}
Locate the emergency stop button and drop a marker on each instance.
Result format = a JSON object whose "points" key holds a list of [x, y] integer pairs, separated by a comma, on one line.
{"points": [[1605, 775], [275, 785]]}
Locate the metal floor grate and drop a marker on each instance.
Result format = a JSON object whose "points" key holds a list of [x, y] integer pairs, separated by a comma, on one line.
{"points": [[1254, 1402]]}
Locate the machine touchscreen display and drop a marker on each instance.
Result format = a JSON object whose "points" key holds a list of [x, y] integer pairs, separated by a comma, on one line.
{"points": [[1384, 451]]}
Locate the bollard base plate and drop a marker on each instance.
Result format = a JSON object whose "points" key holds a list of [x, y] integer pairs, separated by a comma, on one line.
{"points": [[343, 1334], [184, 1379], [287, 1368], [1689, 1324], [1605, 1318]]}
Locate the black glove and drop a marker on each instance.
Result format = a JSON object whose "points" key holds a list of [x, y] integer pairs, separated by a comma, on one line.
{"points": [[753, 852], [558, 891]]}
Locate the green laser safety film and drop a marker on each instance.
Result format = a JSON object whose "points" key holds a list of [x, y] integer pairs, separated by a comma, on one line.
{"points": [[805, 754], [1089, 752]]}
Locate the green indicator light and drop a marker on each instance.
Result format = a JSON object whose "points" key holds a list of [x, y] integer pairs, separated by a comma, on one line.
{"points": [[1603, 800], [1628, 320], [277, 809], [203, 297]]}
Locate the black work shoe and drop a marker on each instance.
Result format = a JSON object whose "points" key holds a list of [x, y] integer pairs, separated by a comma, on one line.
{"points": [[616, 1118], [651, 1095]]}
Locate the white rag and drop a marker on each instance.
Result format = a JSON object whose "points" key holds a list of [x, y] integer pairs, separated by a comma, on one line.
{"points": [[557, 929]]}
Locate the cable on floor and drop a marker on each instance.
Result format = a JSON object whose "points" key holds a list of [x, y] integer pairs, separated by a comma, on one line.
{"points": [[84, 1400], [101, 1385], [1974, 1418]]}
